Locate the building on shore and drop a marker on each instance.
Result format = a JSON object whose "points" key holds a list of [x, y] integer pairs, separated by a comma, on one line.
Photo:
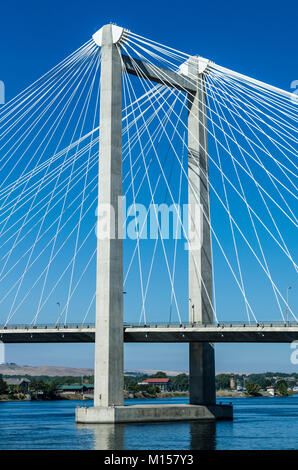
{"points": [[21, 385], [76, 388], [232, 382], [164, 384]]}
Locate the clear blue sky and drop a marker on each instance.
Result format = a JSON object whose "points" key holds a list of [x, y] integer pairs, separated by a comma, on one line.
{"points": [[255, 38]]}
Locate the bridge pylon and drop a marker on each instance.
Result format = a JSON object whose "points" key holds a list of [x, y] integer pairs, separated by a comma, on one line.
{"points": [[108, 391], [201, 355]]}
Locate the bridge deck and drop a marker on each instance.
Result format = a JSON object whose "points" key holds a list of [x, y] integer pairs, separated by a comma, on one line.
{"points": [[223, 333]]}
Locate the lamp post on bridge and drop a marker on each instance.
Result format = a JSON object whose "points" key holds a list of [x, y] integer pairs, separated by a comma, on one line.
{"points": [[191, 311], [59, 313], [287, 311]]}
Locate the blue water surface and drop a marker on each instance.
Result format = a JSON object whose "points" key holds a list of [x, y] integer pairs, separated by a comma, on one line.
{"points": [[259, 423]]}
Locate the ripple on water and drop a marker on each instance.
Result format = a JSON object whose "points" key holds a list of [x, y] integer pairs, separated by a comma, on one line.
{"points": [[259, 423]]}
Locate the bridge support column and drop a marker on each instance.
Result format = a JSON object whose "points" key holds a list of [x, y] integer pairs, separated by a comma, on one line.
{"points": [[108, 393], [201, 355], [108, 372]]}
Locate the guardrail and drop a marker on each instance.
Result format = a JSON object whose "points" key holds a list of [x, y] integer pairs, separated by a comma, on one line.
{"points": [[218, 325], [149, 325], [45, 326]]}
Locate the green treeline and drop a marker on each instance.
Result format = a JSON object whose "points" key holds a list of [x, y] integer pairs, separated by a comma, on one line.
{"points": [[252, 384]]}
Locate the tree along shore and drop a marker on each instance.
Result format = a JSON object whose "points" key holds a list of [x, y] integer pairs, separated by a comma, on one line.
{"points": [[143, 386], [138, 395]]}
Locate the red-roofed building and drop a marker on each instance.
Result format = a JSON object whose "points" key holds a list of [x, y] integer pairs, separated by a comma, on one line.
{"points": [[162, 384]]}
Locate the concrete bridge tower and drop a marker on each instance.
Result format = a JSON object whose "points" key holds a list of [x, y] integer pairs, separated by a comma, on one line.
{"points": [[201, 355], [108, 372], [108, 393]]}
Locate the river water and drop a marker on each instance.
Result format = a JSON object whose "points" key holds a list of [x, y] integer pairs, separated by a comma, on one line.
{"points": [[259, 423]]}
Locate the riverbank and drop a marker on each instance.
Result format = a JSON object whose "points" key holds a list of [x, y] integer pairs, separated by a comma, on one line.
{"points": [[11, 397], [128, 395], [235, 394], [78, 396], [28, 397], [219, 393], [132, 396]]}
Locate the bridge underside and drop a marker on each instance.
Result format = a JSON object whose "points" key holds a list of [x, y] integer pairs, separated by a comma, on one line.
{"points": [[156, 334]]}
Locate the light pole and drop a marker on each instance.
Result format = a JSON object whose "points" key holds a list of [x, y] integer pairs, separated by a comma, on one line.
{"points": [[287, 313], [192, 308], [59, 313]]}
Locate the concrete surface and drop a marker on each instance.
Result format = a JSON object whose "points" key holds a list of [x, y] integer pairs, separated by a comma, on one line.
{"points": [[201, 355], [108, 373], [152, 413]]}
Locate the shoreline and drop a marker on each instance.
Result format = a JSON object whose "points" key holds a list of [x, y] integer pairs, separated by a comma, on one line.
{"points": [[144, 396]]}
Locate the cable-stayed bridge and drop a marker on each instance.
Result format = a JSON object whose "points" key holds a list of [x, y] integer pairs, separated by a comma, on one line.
{"points": [[151, 186]]}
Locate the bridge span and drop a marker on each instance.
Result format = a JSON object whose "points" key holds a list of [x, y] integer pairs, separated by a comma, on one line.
{"points": [[157, 333]]}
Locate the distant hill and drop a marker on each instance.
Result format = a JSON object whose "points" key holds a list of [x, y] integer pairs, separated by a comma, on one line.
{"points": [[170, 373], [51, 371], [55, 371]]}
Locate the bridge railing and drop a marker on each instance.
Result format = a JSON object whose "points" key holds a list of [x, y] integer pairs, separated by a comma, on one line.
{"points": [[218, 325], [44, 326], [78, 325]]}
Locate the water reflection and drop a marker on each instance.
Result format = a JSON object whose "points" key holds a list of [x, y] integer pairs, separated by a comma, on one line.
{"points": [[200, 435], [106, 436]]}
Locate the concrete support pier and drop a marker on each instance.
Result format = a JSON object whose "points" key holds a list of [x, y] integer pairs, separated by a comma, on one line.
{"points": [[108, 373], [153, 413]]}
